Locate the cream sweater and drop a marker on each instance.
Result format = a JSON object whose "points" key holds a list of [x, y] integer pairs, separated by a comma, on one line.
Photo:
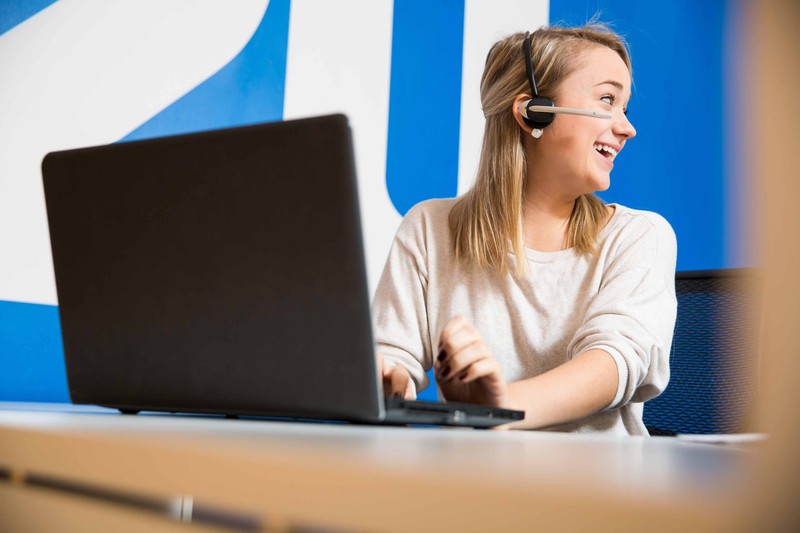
{"points": [[622, 301]]}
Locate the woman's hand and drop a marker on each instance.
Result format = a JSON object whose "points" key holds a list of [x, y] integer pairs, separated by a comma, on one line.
{"points": [[466, 370], [396, 381]]}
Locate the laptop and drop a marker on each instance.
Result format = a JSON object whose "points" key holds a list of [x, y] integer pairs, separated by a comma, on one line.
{"points": [[223, 272]]}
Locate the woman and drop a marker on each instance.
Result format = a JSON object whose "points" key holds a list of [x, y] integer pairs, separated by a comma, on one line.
{"points": [[529, 292]]}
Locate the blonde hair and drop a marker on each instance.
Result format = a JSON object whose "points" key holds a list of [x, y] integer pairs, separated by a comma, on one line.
{"points": [[489, 215]]}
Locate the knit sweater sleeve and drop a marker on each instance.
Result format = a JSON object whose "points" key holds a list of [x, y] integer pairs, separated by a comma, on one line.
{"points": [[632, 317], [399, 306]]}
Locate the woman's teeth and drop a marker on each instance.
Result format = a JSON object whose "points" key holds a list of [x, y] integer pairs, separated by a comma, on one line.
{"points": [[609, 152]]}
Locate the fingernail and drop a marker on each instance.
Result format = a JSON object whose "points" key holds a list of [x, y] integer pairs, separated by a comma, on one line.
{"points": [[445, 371], [441, 355]]}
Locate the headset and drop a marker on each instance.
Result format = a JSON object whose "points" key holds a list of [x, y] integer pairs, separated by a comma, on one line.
{"points": [[540, 111]]}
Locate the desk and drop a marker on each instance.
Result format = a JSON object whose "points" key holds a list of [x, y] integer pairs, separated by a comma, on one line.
{"points": [[255, 474]]}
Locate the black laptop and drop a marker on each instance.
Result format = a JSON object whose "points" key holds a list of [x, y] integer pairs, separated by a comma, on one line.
{"points": [[223, 272]]}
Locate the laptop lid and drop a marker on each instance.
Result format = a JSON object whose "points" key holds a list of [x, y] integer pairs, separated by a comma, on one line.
{"points": [[218, 272]]}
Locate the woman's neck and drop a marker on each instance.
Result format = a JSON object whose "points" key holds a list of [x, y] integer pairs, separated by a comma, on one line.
{"points": [[544, 221]]}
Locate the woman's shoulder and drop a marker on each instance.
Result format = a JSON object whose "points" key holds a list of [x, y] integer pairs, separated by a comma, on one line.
{"points": [[639, 236], [425, 230], [428, 216], [434, 208], [637, 222]]}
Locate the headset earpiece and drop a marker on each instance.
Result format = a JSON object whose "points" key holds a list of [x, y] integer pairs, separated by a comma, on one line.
{"points": [[537, 119]]}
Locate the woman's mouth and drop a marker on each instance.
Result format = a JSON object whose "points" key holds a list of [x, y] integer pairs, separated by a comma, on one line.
{"points": [[606, 151]]}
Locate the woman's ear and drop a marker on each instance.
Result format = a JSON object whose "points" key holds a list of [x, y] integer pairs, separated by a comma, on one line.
{"points": [[518, 101]]}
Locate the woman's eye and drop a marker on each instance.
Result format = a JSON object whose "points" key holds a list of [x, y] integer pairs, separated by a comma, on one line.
{"points": [[609, 99]]}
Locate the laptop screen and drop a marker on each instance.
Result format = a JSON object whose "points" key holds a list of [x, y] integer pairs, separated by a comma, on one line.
{"points": [[221, 271]]}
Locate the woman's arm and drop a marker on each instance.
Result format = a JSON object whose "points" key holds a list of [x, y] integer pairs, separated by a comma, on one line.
{"points": [[467, 371], [620, 353], [399, 310], [578, 388]]}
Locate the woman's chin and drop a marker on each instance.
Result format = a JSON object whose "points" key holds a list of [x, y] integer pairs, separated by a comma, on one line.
{"points": [[600, 184]]}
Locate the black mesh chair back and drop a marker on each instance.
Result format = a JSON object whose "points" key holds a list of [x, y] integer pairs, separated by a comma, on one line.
{"points": [[713, 362]]}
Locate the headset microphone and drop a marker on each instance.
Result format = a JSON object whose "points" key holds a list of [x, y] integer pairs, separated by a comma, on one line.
{"points": [[540, 111], [529, 108]]}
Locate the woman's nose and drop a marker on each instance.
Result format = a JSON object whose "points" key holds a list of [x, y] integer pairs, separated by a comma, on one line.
{"points": [[623, 127]]}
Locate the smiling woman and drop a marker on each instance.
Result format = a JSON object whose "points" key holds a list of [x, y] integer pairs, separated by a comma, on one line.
{"points": [[595, 142], [528, 291]]}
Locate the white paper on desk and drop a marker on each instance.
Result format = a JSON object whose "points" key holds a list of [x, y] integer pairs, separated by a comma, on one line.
{"points": [[727, 438]]}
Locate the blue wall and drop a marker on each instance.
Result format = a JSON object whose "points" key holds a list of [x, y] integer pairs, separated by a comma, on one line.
{"points": [[426, 61], [31, 356], [675, 166]]}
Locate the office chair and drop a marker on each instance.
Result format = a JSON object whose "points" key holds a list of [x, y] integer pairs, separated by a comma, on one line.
{"points": [[713, 362]]}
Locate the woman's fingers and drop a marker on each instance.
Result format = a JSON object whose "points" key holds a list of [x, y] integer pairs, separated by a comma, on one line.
{"points": [[465, 356], [466, 370], [397, 382], [457, 334], [461, 347], [479, 369], [457, 325]]}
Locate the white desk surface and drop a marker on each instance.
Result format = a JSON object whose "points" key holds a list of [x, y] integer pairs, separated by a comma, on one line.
{"points": [[327, 474]]}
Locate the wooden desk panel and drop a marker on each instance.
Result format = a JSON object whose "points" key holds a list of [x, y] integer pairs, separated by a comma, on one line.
{"points": [[32, 509], [281, 474]]}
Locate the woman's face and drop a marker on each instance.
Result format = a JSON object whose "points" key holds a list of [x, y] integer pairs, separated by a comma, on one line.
{"points": [[578, 152]]}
